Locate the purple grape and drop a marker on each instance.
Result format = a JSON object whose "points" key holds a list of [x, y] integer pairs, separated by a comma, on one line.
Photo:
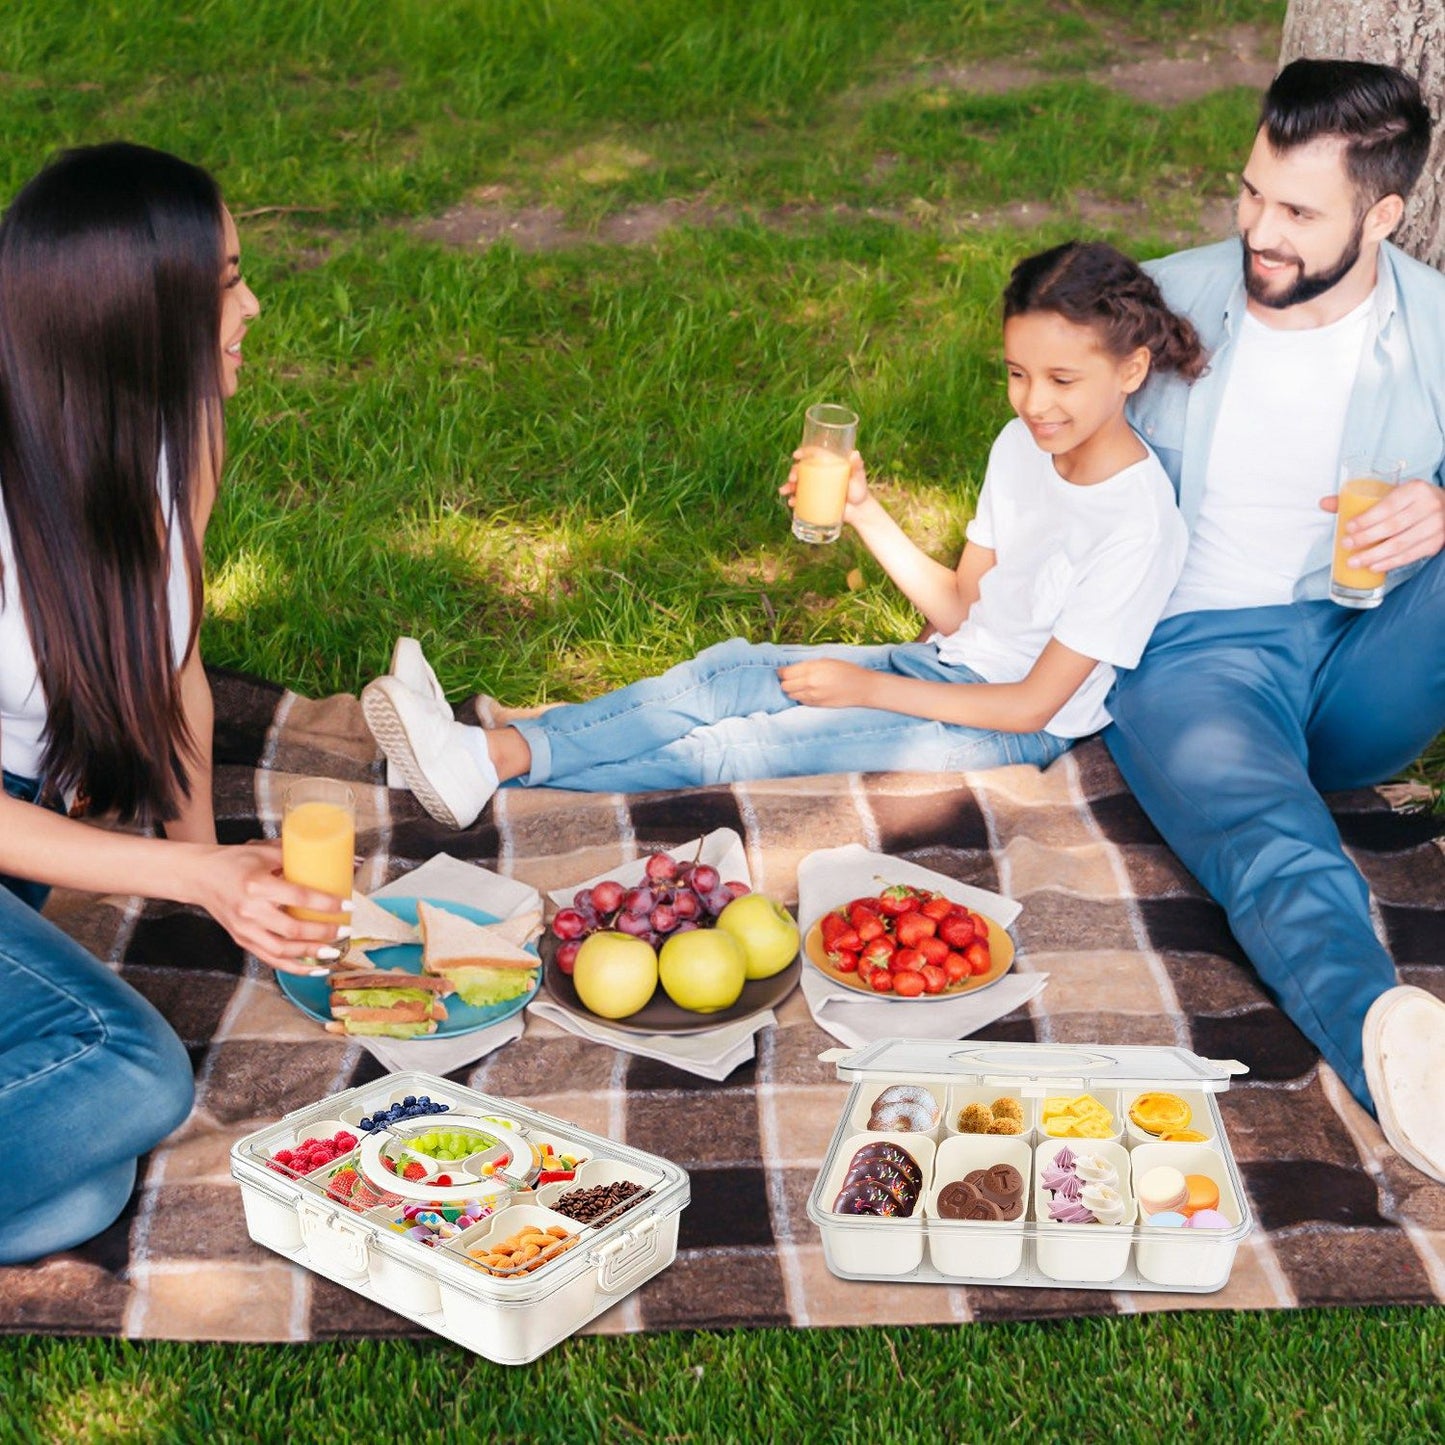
{"points": [[664, 919], [569, 924], [661, 868], [639, 900], [705, 878], [607, 896], [633, 924], [688, 925], [737, 889], [582, 900], [717, 900], [686, 903], [684, 871]]}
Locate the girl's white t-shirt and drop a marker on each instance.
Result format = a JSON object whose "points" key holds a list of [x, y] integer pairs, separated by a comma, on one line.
{"points": [[1092, 566], [23, 709]]}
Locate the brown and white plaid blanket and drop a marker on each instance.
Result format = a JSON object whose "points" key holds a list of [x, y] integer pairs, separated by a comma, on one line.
{"points": [[1136, 955]]}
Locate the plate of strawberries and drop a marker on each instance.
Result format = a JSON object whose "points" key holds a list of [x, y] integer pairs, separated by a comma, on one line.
{"points": [[908, 942]]}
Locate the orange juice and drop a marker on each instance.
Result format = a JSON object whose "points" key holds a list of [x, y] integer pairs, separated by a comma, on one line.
{"points": [[318, 845], [822, 490], [1357, 495]]}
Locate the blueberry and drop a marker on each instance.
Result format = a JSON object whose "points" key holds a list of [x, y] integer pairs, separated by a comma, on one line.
{"points": [[409, 1100], [424, 1099], [365, 1125]]}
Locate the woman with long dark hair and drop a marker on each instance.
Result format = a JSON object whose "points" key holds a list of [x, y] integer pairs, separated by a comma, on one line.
{"points": [[122, 310]]}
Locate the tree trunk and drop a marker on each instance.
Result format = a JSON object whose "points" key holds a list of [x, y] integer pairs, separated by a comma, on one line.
{"points": [[1406, 33]]}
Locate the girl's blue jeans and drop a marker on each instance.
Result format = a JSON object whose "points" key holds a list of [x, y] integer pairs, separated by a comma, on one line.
{"points": [[91, 1078], [724, 717], [1229, 729]]}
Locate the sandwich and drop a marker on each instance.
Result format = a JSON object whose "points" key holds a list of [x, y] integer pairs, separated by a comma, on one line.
{"points": [[372, 926], [389, 1005], [484, 962]]}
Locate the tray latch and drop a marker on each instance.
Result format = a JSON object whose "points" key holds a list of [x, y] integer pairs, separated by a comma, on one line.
{"points": [[336, 1243], [621, 1258]]}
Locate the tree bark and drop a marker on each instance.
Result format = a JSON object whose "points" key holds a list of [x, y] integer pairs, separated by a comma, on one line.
{"points": [[1406, 33]]}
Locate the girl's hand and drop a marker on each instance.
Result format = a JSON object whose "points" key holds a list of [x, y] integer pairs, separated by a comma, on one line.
{"points": [[241, 887], [826, 682], [858, 492]]}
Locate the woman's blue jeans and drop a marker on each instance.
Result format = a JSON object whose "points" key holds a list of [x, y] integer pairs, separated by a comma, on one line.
{"points": [[723, 717], [91, 1078]]}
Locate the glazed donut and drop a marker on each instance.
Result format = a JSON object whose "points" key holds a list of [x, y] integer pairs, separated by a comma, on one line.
{"points": [[890, 1176], [903, 1118], [866, 1196], [894, 1154]]}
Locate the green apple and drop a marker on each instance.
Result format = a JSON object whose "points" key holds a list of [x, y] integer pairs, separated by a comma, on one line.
{"points": [[703, 970], [615, 974], [766, 931]]}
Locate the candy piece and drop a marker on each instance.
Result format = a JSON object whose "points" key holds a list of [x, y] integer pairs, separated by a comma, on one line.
{"points": [[1007, 1108], [954, 1199], [1001, 1182], [1156, 1112], [1208, 1219], [1169, 1218], [975, 1119], [1162, 1188], [984, 1210], [1203, 1193]]}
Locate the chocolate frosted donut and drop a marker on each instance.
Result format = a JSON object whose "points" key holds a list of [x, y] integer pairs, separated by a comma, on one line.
{"points": [[894, 1154], [889, 1175], [862, 1196]]}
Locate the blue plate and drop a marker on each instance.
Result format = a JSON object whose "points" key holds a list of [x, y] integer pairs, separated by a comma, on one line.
{"points": [[313, 995]]}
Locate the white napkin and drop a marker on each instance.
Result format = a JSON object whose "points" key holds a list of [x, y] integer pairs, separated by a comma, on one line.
{"points": [[712, 1054], [834, 875], [449, 880]]}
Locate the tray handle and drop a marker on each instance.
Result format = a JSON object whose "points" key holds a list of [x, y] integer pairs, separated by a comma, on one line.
{"points": [[337, 1244], [621, 1258]]}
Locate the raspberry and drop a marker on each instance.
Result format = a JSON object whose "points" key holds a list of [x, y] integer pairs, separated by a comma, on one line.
{"points": [[344, 1142], [283, 1156], [413, 1170]]}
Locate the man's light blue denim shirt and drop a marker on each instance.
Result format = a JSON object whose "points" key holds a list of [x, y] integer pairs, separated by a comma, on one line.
{"points": [[1397, 407]]}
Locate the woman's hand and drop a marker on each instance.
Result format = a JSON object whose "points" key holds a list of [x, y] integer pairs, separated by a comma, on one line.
{"points": [[826, 682], [858, 492], [241, 887], [1401, 528]]}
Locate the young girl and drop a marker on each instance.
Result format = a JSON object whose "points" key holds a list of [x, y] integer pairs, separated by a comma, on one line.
{"points": [[1073, 552], [122, 311]]}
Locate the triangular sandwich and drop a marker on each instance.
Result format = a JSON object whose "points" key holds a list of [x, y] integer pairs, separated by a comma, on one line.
{"points": [[481, 959]]}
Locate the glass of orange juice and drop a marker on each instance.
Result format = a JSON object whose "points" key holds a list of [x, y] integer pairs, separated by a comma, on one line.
{"points": [[1362, 483], [318, 841], [829, 435]]}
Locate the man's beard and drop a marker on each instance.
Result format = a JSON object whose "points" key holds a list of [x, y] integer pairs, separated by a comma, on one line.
{"points": [[1306, 286]]}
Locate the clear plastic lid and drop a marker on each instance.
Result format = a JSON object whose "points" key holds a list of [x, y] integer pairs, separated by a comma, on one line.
{"points": [[1035, 1068]]}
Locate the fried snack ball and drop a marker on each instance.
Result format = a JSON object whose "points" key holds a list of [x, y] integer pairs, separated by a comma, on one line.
{"points": [[975, 1119], [1007, 1109]]}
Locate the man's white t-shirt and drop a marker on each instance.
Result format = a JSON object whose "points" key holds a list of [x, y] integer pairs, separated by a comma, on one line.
{"points": [[1091, 566], [1274, 453], [23, 708]]}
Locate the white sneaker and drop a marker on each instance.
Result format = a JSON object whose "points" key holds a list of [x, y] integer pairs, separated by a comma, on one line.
{"points": [[428, 748], [409, 664], [1404, 1043]]}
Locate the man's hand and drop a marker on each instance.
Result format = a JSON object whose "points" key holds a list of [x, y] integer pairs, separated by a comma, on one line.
{"points": [[825, 682], [1404, 527]]}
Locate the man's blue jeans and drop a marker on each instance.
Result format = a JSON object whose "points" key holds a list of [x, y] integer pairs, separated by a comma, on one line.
{"points": [[91, 1077], [1227, 732], [723, 717]]}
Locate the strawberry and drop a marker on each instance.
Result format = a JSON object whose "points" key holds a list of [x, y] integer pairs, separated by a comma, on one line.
{"points": [[907, 960], [881, 981], [913, 926], [979, 961], [870, 928], [845, 960], [413, 1170], [908, 985], [847, 940], [956, 931], [956, 968], [878, 952], [832, 926], [936, 908], [935, 980], [861, 909], [934, 950], [896, 900]]}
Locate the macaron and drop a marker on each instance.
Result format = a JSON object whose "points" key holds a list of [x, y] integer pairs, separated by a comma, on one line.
{"points": [[1209, 1219], [1169, 1219], [1203, 1193], [1162, 1188]]}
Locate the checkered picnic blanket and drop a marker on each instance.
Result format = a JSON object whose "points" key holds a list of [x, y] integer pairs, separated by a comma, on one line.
{"points": [[1135, 953]]}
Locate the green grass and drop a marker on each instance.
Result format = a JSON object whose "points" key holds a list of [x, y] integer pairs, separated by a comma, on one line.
{"points": [[559, 470], [1314, 1375]]}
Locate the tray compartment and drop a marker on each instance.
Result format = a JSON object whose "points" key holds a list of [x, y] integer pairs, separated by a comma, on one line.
{"points": [[863, 1109], [1187, 1258], [1083, 1253], [960, 1096], [1201, 1118], [863, 1244], [978, 1249]]}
